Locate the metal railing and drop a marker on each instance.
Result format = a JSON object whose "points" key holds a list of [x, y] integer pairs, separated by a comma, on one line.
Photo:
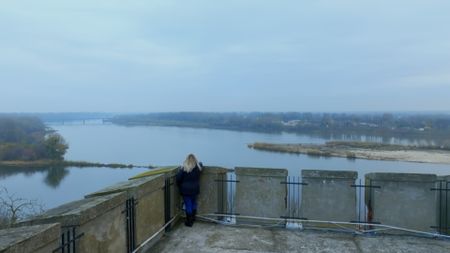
{"points": [[68, 243]]}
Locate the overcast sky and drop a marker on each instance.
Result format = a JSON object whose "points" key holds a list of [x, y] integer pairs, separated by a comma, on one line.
{"points": [[187, 55]]}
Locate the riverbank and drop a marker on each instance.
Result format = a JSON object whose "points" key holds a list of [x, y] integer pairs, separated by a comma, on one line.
{"points": [[360, 150], [63, 163]]}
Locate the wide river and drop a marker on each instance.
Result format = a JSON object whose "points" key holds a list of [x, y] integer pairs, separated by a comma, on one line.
{"points": [[169, 146]]}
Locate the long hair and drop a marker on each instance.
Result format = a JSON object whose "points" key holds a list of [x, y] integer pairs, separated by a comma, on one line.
{"points": [[190, 163]]}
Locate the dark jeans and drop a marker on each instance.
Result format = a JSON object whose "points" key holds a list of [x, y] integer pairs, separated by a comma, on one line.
{"points": [[190, 203]]}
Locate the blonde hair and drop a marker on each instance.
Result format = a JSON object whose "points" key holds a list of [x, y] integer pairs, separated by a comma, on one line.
{"points": [[190, 163]]}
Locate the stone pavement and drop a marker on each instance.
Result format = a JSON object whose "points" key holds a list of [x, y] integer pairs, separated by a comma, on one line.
{"points": [[209, 237]]}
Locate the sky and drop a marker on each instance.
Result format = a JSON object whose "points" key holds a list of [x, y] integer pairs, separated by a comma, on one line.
{"points": [[235, 55]]}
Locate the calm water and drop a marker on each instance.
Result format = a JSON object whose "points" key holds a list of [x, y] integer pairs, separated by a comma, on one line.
{"points": [[169, 146]]}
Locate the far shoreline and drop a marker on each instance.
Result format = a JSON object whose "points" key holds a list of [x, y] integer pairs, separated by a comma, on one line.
{"points": [[64, 163], [360, 150]]}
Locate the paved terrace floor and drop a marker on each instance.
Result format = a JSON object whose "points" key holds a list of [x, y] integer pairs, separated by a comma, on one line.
{"points": [[209, 237]]}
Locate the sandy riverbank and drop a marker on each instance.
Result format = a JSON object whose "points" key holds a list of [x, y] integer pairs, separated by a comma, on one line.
{"points": [[370, 152]]}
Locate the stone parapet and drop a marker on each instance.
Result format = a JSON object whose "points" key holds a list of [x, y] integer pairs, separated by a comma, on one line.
{"points": [[148, 196], [328, 195], [260, 193], [36, 239], [99, 221], [213, 190], [403, 200]]}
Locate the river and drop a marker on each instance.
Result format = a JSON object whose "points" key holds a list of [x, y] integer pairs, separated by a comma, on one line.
{"points": [[149, 145]]}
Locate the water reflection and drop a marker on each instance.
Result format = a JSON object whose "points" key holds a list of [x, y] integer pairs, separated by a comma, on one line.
{"points": [[6, 172], [53, 175], [54, 186], [401, 139]]}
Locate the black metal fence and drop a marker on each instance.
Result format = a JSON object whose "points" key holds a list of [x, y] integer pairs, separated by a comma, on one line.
{"points": [[365, 199], [69, 237], [443, 189], [226, 195], [293, 198], [130, 218], [365, 218], [169, 203]]}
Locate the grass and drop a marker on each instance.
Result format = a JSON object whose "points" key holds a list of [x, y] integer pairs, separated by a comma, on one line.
{"points": [[351, 156], [317, 152]]}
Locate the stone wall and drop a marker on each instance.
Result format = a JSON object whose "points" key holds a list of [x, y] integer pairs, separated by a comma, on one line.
{"points": [[99, 221], [36, 239], [213, 190], [328, 195], [148, 194], [260, 193], [403, 200]]}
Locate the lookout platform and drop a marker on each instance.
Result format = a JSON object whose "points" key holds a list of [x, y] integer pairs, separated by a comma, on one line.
{"points": [[209, 237], [274, 211]]}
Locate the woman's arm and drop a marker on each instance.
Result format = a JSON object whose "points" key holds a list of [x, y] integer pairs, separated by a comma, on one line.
{"points": [[179, 176]]}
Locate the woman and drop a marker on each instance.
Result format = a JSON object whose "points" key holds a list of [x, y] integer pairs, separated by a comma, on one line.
{"points": [[188, 181]]}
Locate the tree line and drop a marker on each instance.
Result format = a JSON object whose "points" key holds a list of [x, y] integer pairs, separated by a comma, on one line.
{"points": [[26, 138], [380, 124]]}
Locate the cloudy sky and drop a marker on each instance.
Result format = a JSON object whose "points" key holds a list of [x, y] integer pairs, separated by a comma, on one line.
{"points": [[164, 55]]}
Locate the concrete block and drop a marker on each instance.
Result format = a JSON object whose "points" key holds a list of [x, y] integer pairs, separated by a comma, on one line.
{"points": [[328, 195], [213, 191], [212, 197], [100, 220], [174, 193], [36, 239], [148, 193], [403, 200], [260, 193]]}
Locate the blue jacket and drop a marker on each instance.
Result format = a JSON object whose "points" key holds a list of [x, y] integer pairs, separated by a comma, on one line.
{"points": [[189, 183]]}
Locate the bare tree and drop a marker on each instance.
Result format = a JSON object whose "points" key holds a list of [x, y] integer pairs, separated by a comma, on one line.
{"points": [[14, 208]]}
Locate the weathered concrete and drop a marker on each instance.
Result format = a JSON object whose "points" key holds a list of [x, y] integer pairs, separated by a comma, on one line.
{"points": [[209, 199], [260, 193], [175, 198], [328, 195], [403, 200], [100, 219], [213, 194], [211, 238], [174, 203], [148, 193], [36, 239]]}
